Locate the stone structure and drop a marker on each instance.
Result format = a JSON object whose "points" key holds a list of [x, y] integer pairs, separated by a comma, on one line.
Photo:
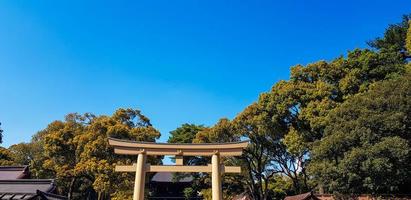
{"points": [[144, 149]]}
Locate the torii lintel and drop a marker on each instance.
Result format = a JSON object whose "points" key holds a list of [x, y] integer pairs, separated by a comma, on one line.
{"points": [[127, 147]]}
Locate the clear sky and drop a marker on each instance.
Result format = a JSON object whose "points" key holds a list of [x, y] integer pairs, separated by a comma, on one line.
{"points": [[178, 61]]}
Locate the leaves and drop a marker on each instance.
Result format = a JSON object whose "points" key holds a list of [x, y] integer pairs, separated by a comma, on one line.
{"points": [[366, 144], [408, 38], [76, 152], [6, 157], [394, 36]]}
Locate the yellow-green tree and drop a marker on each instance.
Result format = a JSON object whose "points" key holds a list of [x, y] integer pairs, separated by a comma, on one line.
{"points": [[6, 157], [77, 153], [408, 39]]}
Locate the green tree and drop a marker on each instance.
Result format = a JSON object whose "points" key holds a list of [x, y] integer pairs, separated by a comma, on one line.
{"points": [[365, 148], [283, 123], [394, 37], [223, 131], [186, 134]]}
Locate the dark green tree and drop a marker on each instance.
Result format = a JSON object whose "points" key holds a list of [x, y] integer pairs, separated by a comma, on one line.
{"points": [[186, 134], [366, 143], [394, 38]]}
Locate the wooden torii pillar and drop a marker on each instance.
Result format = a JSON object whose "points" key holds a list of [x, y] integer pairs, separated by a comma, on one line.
{"points": [[144, 149]]}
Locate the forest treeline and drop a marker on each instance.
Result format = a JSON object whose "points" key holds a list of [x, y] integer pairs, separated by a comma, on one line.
{"points": [[340, 127]]}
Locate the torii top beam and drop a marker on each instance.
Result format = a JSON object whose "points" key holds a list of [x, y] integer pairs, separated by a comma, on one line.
{"points": [[128, 147]]}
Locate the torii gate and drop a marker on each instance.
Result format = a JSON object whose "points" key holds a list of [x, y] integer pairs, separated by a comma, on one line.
{"points": [[142, 149]]}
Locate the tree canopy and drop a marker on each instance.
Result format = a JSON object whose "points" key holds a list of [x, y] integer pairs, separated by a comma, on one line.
{"points": [[76, 153], [365, 148], [286, 124], [394, 37]]}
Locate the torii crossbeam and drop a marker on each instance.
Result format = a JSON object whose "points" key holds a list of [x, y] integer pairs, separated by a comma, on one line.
{"points": [[142, 149]]}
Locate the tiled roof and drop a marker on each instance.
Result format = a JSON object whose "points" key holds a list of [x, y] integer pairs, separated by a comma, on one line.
{"points": [[13, 172], [304, 196], [167, 177], [24, 188]]}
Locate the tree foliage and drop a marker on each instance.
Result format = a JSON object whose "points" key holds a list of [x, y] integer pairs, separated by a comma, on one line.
{"points": [[365, 148], [408, 39], [76, 153], [394, 37], [285, 123], [6, 157], [185, 133], [222, 131]]}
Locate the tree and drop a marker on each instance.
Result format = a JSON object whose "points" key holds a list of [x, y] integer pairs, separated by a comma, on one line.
{"points": [[25, 153], [365, 148], [186, 134], [77, 153], [6, 157], [97, 158], [284, 122], [394, 37], [223, 131], [60, 151], [408, 39], [191, 133]]}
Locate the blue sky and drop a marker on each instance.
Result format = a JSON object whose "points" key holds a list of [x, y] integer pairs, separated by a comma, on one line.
{"points": [[178, 61]]}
